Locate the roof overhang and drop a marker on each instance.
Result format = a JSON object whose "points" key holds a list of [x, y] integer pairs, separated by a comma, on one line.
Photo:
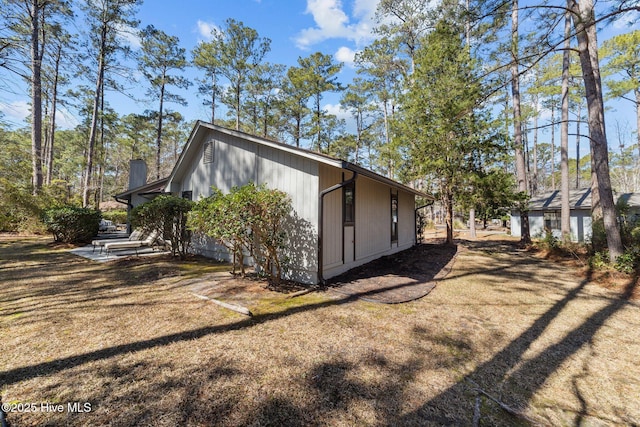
{"points": [[201, 126]]}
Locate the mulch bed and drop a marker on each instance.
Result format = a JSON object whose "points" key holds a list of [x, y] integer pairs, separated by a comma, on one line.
{"points": [[398, 278]]}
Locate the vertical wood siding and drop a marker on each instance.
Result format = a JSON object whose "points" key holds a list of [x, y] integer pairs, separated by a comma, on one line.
{"points": [[373, 217], [332, 239], [406, 219], [238, 162]]}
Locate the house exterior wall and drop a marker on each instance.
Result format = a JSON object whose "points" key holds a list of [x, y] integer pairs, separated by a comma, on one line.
{"points": [[579, 220], [372, 229], [237, 162]]}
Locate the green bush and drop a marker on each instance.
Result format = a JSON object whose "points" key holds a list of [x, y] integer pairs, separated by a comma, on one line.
{"points": [[249, 220], [21, 211], [628, 261], [71, 224], [118, 216], [167, 215]]}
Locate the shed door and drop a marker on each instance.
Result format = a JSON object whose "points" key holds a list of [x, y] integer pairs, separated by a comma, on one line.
{"points": [[349, 244]]}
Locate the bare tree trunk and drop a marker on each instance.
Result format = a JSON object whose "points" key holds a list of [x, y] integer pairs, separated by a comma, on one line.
{"points": [[52, 121], [472, 223], [35, 8], [94, 119], [448, 204], [534, 178], [637, 93], [159, 134], [565, 209], [584, 23], [521, 176], [578, 146], [553, 146]]}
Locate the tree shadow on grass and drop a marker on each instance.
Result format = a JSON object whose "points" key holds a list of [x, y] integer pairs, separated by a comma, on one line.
{"points": [[335, 389], [526, 377]]}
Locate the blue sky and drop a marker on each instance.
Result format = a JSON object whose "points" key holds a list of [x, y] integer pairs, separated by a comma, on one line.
{"points": [[296, 28]]}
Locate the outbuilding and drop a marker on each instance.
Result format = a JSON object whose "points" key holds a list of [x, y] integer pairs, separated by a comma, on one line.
{"points": [[545, 209]]}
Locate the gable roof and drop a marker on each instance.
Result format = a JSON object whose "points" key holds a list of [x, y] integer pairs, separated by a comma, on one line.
{"points": [[578, 199], [201, 126]]}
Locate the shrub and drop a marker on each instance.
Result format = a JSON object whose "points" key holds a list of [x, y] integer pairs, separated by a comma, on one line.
{"points": [[249, 220], [71, 224], [118, 216], [628, 261], [20, 210], [167, 215]]}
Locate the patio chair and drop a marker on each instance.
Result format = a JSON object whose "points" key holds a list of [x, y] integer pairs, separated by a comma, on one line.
{"points": [[149, 241], [135, 235]]}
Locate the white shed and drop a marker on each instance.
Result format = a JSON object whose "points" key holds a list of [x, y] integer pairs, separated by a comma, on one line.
{"points": [[544, 213], [344, 215]]}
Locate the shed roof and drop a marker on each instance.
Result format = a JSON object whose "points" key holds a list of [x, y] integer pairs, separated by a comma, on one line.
{"points": [[578, 199]]}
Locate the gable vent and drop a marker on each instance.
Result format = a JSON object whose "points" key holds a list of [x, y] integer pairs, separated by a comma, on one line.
{"points": [[208, 156]]}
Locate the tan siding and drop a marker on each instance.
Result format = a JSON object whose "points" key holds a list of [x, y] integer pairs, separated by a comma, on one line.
{"points": [[406, 219], [332, 239], [373, 218], [233, 165]]}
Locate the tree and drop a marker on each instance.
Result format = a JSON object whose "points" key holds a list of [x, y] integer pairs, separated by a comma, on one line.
{"points": [[106, 18], [379, 62], [406, 21], [27, 21], [565, 214], [161, 57], [357, 100], [238, 50], [320, 76], [205, 58], [521, 176], [622, 56], [167, 215], [294, 103], [447, 134], [584, 23]]}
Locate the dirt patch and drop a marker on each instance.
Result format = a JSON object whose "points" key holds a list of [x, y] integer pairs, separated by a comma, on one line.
{"points": [[397, 278]]}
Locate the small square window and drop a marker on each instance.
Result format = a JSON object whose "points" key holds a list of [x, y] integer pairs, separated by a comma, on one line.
{"points": [[208, 155]]}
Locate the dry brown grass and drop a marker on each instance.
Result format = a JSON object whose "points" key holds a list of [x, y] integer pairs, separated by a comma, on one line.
{"points": [[133, 341]]}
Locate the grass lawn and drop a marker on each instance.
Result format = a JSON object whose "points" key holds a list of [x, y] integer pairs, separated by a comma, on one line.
{"points": [[506, 338]]}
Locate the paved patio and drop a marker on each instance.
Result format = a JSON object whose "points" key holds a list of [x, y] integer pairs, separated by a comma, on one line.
{"points": [[95, 254]]}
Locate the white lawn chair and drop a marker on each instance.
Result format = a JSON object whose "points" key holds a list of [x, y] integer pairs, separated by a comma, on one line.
{"points": [[135, 235], [149, 241]]}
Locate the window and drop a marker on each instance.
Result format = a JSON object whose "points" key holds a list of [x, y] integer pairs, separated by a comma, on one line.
{"points": [[394, 217], [552, 220], [208, 155], [187, 195], [349, 204]]}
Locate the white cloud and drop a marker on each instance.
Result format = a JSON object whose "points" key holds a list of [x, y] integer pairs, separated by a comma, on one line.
{"points": [[346, 55], [130, 35], [16, 111], [341, 113], [65, 120], [205, 29], [333, 22]]}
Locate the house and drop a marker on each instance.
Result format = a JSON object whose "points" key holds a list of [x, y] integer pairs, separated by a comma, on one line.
{"points": [[344, 215], [544, 213]]}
